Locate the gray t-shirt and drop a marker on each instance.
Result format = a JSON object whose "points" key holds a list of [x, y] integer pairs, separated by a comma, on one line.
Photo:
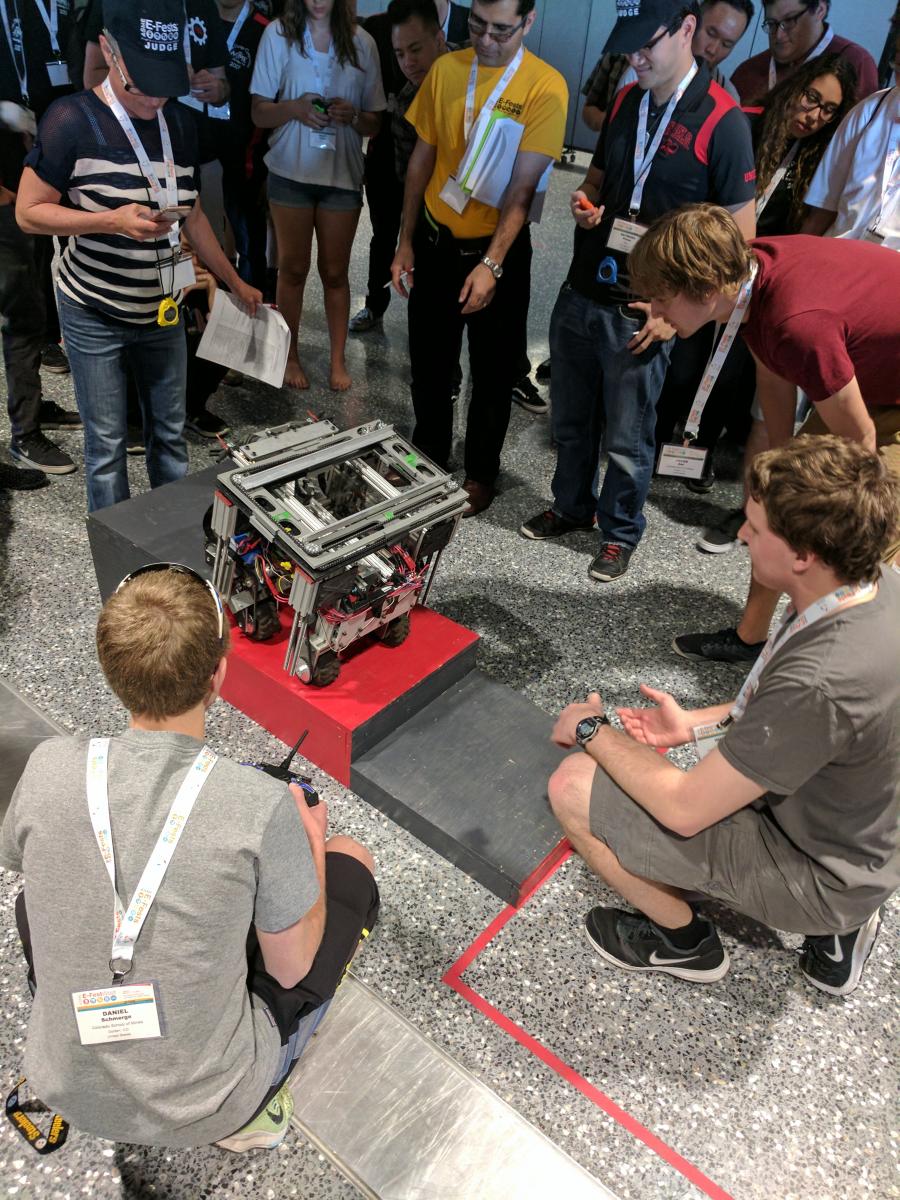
{"points": [[243, 858], [822, 735]]}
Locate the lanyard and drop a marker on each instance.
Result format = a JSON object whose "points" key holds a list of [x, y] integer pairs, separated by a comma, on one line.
{"points": [[717, 359], [644, 154], [238, 25], [844, 597], [51, 20], [890, 187], [775, 181], [505, 80], [20, 62], [323, 82], [127, 925], [814, 53]]}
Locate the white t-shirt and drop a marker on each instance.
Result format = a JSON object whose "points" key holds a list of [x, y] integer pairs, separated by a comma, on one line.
{"points": [[859, 175], [283, 72]]}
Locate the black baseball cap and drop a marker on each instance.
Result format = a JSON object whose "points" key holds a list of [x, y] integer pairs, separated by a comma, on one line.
{"points": [[150, 37], [638, 20]]}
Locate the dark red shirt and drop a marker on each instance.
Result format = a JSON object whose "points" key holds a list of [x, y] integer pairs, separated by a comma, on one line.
{"points": [[824, 310], [752, 77]]}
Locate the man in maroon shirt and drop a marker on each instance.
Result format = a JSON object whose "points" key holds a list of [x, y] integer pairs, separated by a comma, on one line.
{"points": [[798, 31], [823, 317]]}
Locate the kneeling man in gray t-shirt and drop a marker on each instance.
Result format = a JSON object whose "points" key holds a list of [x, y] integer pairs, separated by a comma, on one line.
{"points": [[185, 920], [790, 817]]}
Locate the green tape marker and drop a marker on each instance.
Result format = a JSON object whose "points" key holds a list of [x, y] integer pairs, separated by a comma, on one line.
{"points": [[412, 459]]}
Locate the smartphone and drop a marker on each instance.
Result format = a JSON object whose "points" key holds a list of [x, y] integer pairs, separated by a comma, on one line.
{"points": [[173, 214], [320, 106]]}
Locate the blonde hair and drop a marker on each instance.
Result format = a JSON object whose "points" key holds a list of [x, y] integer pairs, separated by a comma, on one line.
{"points": [[695, 250], [158, 643]]}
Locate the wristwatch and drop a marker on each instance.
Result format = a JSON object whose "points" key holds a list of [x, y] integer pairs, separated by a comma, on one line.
{"points": [[495, 269], [587, 728]]}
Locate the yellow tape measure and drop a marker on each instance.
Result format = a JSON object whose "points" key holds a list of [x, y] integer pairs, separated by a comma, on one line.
{"points": [[168, 312]]}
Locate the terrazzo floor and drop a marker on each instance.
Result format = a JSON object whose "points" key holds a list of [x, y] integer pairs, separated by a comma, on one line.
{"points": [[770, 1089]]}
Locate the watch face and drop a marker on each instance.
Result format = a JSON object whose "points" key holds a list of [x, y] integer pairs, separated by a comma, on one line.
{"points": [[585, 728]]}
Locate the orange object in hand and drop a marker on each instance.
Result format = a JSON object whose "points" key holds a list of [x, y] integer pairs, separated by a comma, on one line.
{"points": [[585, 205]]}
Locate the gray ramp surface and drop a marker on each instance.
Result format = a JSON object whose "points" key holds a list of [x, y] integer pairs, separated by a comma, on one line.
{"points": [[23, 727]]}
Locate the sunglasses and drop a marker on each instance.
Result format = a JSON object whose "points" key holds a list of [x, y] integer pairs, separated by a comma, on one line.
{"points": [[180, 569], [497, 33]]}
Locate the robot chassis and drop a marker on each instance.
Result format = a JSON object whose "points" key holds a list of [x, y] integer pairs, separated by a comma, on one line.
{"points": [[344, 528]]}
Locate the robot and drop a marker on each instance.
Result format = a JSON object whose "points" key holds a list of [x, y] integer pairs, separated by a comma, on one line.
{"points": [[338, 532]]}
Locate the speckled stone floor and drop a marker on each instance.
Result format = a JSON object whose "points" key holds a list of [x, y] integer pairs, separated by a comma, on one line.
{"points": [[769, 1088]]}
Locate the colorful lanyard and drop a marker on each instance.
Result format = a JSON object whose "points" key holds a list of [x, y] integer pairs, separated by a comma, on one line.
{"points": [[323, 82], [844, 597], [238, 25], [20, 62], [644, 154], [775, 181], [717, 360], [127, 924], [814, 53], [505, 80]]}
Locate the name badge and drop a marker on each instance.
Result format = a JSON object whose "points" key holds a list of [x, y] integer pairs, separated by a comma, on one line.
{"points": [[220, 112], [117, 1014], [684, 462], [625, 235], [58, 73], [872, 235], [322, 139], [453, 196], [183, 275], [191, 102], [707, 737]]}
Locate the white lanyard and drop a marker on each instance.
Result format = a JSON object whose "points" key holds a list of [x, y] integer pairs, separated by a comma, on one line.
{"points": [[51, 20], [717, 360], [323, 83], [814, 53], [21, 66], [238, 25], [505, 80], [775, 181], [644, 154], [890, 186], [127, 925], [844, 597], [170, 198]]}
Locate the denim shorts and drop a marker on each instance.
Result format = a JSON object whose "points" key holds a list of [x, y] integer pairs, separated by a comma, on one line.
{"points": [[292, 194]]}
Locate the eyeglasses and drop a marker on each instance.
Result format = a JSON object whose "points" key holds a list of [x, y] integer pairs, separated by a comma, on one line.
{"points": [[180, 569], [810, 101], [786, 24], [497, 33], [669, 31], [128, 87]]}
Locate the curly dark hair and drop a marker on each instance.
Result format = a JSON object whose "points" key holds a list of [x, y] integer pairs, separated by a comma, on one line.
{"points": [[293, 17], [775, 141]]}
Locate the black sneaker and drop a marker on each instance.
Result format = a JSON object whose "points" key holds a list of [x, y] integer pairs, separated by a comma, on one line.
{"points": [[134, 441], [722, 646], [526, 395], [365, 321], [37, 451], [53, 417], [206, 424], [550, 524], [834, 963], [701, 486], [611, 563], [20, 479], [54, 360], [721, 538], [542, 372], [630, 941]]}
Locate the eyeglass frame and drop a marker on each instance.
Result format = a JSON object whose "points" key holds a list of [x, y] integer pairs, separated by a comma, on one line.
{"points": [[827, 109], [669, 31], [787, 23], [494, 31], [182, 569], [128, 87]]}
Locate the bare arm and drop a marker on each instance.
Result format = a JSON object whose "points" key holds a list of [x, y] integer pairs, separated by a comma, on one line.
{"points": [[272, 114], [207, 248], [38, 210], [593, 117], [95, 68], [845, 413], [778, 401], [418, 173], [745, 219], [817, 221]]}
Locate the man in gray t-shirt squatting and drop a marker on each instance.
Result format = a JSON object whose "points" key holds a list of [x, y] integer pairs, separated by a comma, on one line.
{"points": [[250, 931], [790, 816]]}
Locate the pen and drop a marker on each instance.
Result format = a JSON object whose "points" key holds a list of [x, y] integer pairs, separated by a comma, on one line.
{"points": [[403, 275]]}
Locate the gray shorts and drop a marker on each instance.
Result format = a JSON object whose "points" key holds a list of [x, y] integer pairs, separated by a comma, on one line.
{"points": [[292, 194], [730, 862]]}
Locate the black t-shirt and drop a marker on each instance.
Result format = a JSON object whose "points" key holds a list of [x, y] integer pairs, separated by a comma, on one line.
{"points": [[33, 49], [706, 154], [775, 220], [232, 139]]}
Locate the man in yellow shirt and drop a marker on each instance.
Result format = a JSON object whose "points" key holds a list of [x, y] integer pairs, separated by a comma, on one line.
{"points": [[464, 263]]}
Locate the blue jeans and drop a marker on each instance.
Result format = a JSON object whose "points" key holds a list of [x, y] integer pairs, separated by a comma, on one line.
{"points": [[600, 390], [99, 349]]}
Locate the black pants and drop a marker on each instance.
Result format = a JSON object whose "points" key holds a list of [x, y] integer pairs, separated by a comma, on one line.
{"points": [[44, 249], [497, 339], [384, 196], [23, 310]]}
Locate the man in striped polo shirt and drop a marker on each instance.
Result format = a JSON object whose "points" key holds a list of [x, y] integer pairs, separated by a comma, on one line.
{"points": [[114, 170]]}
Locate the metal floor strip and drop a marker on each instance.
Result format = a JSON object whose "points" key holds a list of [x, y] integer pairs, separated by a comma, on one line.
{"points": [[403, 1121]]}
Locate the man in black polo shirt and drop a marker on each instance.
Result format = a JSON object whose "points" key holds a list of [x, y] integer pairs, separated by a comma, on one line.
{"points": [[671, 138]]}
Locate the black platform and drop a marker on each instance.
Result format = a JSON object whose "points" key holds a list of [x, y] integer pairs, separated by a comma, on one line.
{"points": [[23, 727]]}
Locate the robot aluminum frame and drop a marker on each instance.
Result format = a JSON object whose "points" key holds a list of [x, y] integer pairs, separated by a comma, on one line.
{"points": [[290, 452]]}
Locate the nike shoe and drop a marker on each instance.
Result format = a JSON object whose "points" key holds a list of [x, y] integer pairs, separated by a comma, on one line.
{"points": [[834, 964], [721, 538], [266, 1131], [630, 941], [611, 563], [365, 321], [526, 395], [549, 524], [725, 645]]}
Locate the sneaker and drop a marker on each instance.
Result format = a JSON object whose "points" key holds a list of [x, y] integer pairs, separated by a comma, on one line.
{"points": [[834, 964], [53, 417], [54, 360], [134, 441], [365, 321], [722, 646], [630, 941], [526, 395], [542, 373], [701, 486], [266, 1131], [721, 538], [550, 524], [206, 424], [19, 479], [611, 563], [37, 451]]}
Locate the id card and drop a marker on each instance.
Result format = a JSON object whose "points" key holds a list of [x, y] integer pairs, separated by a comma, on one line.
{"points": [[707, 737], [117, 1014], [872, 235], [625, 235], [453, 196], [219, 112], [322, 139], [58, 73], [183, 275], [684, 462]]}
